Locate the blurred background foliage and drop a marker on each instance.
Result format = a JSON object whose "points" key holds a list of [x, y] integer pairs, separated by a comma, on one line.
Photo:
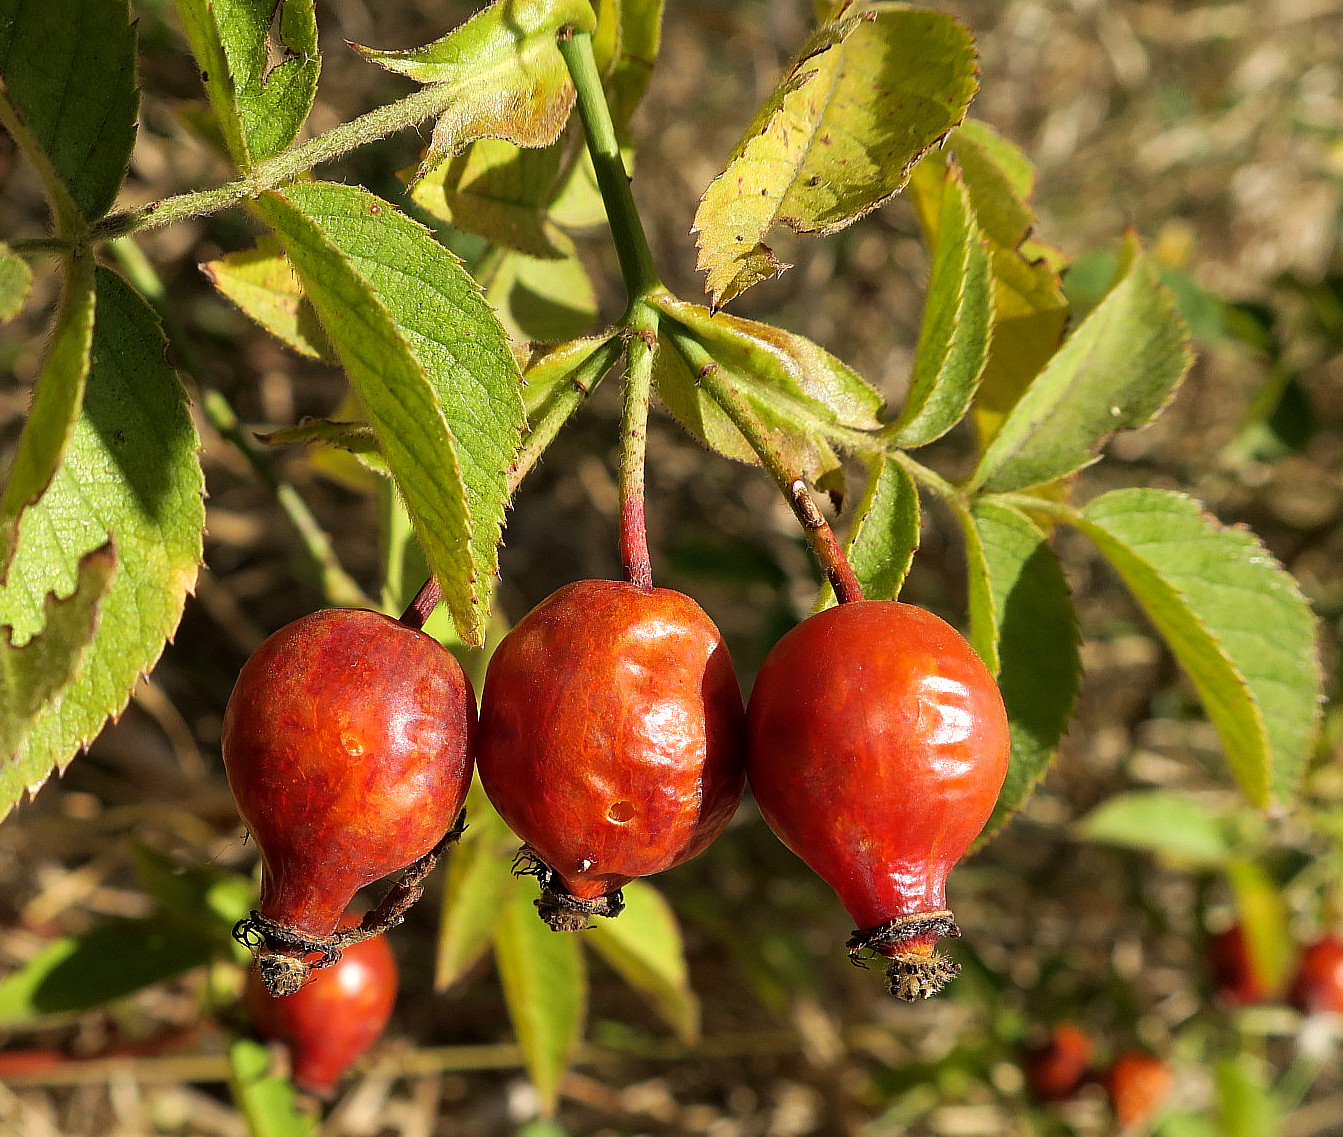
{"points": [[1213, 129]]}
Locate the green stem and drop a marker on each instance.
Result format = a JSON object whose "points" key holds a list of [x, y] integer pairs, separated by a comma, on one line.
{"points": [[642, 350], [929, 479], [636, 261], [1058, 510], [377, 123], [820, 536], [339, 589]]}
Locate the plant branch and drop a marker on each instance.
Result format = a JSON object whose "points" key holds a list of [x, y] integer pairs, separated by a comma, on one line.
{"points": [[820, 536], [636, 260], [339, 589], [377, 123], [640, 353]]}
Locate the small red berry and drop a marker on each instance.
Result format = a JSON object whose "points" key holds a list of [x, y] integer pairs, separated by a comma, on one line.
{"points": [[878, 744], [347, 742], [335, 1018], [1236, 978], [1137, 1085], [610, 740], [1056, 1070], [1318, 984]]}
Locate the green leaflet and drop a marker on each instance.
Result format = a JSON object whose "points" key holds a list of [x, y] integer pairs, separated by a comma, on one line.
{"points": [[260, 108], [1263, 915], [1029, 309], [15, 279], [111, 961], [32, 675], [56, 403], [504, 65], [478, 888], [800, 391], [1234, 618], [865, 98], [268, 1102], [1156, 821], [430, 364], [262, 283], [501, 192], [644, 948], [68, 71], [544, 301], [1116, 371], [1024, 627], [957, 326], [639, 39], [884, 534], [131, 471], [546, 989]]}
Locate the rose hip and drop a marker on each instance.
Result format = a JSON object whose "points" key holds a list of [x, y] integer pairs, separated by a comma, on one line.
{"points": [[1056, 1070], [1137, 1085], [610, 740], [334, 1019], [347, 742], [1318, 984], [878, 743]]}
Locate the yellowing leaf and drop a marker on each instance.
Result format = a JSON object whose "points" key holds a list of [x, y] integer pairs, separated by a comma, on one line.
{"points": [[865, 98], [263, 284], [506, 70]]}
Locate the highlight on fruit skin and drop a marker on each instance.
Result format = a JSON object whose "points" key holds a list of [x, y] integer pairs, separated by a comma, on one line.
{"points": [[611, 741], [348, 747], [332, 1020], [877, 745]]}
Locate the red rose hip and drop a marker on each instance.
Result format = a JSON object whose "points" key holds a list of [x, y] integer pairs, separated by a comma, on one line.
{"points": [[1056, 1070], [878, 743], [1318, 983], [1137, 1085], [334, 1019], [347, 742], [611, 738]]}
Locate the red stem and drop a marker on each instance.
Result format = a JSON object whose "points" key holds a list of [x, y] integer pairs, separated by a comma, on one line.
{"points": [[422, 607], [825, 545]]}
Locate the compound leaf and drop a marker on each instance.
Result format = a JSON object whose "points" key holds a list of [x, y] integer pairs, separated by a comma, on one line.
{"points": [[865, 98], [546, 989], [542, 300], [644, 948], [1236, 621], [1023, 625], [68, 72], [131, 471], [260, 107], [1116, 371], [431, 365], [957, 327], [506, 71]]}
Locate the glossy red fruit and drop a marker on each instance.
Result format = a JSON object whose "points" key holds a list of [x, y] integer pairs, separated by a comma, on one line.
{"points": [[878, 744], [611, 739], [1056, 1070], [1137, 1085], [334, 1019], [347, 742], [1318, 983], [1236, 977]]}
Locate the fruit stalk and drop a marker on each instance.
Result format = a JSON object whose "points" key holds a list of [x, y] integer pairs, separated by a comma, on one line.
{"points": [[640, 354]]}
